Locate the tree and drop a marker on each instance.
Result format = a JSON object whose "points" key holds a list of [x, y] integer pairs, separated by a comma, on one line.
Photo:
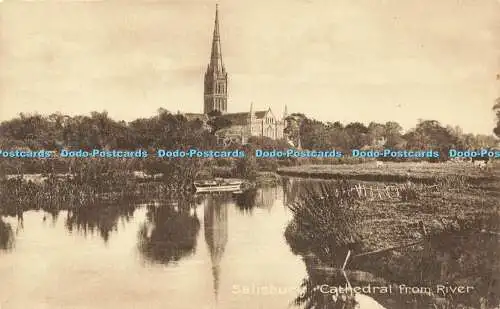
{"points": [[393, 135], [431, 135], [496, 108], [376, 134], [217, 123], [246, 168], [357, 135], [313, 134]]}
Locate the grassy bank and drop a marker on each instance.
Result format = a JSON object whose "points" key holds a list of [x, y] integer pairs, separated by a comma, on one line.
{"points": [[453, 224], [393, 172], [451, 197]]}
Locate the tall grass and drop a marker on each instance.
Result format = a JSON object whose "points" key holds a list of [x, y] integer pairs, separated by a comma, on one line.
{"points": [[325, 221]]}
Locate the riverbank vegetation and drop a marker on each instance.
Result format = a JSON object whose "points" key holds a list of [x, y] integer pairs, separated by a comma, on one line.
{"points": [[399, 241]]}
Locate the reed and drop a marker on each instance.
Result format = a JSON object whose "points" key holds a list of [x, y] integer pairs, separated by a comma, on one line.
{"points": [[325, 221]]}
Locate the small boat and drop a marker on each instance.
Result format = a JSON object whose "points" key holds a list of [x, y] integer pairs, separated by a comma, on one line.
{"points": [[218, 185]]}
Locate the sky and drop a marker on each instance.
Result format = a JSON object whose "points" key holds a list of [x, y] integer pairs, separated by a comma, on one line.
{"points": [[333, 60]]}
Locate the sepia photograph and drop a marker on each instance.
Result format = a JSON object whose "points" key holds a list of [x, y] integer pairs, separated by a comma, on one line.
{"points": [[216, 154]]}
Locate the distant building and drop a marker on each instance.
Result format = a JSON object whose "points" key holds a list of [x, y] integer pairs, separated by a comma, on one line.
{"points": [[243, 125]]}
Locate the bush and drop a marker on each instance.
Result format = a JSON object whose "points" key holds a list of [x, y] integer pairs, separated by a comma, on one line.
{"points": [[246, 168], [270, 164]]}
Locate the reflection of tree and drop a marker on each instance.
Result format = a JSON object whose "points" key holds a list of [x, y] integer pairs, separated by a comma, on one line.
{"points": [[265, 197], [290, 189], [101, 218], [6, 236], [170, 232], [246, 200]]}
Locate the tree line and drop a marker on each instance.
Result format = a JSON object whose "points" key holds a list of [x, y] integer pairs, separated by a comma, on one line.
{"points": [[427, 134], [173, 130]]}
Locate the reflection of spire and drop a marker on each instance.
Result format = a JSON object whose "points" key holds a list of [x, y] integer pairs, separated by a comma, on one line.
{"points": [[215, 236], [216, 279]]}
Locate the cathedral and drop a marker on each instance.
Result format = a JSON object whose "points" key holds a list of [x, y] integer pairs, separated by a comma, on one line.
{"points": [[244, 125]]}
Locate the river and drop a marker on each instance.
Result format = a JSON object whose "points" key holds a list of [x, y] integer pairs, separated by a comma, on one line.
{"points": [[210, 251], [234, 255]]}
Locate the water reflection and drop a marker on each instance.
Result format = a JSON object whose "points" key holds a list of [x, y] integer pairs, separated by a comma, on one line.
{"points": [[246, 200], [216, 234], [263, 198], [266, 197], [185, 268], [6, 235], [101, 218], [170, 231], [212, 263], [323, 287]]}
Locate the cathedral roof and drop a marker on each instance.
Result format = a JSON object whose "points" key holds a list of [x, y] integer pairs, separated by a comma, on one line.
{"points": [[194, 116], [236, 118], [260, 114], [242, 118]]}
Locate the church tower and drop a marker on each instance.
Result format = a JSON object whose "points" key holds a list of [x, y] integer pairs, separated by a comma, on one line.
{"points": [[215, 89]]}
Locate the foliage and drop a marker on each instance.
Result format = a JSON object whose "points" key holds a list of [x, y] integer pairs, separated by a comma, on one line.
{"points": [[218, 122], [496, 108], [325, 221], [56, 131], [427, 134], [246, 168], [166, 130]]}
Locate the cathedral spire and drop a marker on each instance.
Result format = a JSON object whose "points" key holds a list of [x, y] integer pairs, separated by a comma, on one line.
{"points": [[215, 89], [216, 55]]}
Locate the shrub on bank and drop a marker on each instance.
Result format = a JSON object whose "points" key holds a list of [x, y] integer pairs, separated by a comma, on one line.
{"points": [[246, 168]]}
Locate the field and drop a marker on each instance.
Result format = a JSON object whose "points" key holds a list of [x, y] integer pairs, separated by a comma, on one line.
{"points": [[394, 172]]}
